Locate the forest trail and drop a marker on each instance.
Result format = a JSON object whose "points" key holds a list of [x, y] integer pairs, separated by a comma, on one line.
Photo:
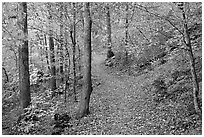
{"points": [[120, 102]]}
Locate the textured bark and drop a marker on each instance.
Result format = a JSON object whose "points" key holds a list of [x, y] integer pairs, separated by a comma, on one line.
{"points": [[87, 85], [46, 53], [126, 32], [67, 72], [66, 59], [108, 23], [52, 54], [73, 37], [192, 65], [24, 80], [61, 43], [79, 62]]}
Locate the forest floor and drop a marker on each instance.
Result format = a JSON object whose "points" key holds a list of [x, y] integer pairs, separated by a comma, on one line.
{"points": [[122, 104]]}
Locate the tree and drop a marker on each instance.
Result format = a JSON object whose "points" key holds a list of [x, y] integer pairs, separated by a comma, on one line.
{"points": [[87, 84], [73, 38], [24, 80], [126, 31], [187, 42], [46, 52], [184, 35], [108, 23], [52, 54], [61, 42], [108, 26]]}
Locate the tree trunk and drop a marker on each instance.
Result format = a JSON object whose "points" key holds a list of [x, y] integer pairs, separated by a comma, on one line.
{"points": [[79, 62], [126, 32], [24, 80], [73, 37], [87, 85], [67, 72], [46, 53], [108, 23], [66, 59], [61, 44], [52, 54], [192, 65]]}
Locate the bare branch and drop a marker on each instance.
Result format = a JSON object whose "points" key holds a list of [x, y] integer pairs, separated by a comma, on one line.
{"points": [[163, 18]]}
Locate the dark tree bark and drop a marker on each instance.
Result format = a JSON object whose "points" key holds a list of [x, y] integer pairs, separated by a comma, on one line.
{"points": [[52, 54], [73, 38], [67, 59], [192, 64], [87, 85], [24, 80], [61, 43], [46, 53], [67, 72], [108, 23], [80, 54], [126, 32], [79, 62]]}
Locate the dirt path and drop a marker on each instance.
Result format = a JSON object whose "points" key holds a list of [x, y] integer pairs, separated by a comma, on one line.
{"points": [[123, 101]]}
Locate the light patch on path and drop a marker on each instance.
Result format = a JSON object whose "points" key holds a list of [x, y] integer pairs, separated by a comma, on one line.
{"points": [[121, 101]]}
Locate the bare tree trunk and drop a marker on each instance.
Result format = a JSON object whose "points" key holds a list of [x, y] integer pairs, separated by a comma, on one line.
{"points": [[73, 37], [108, 23], [24, 80], [52, 54], [126, 32], [80, 54], [79, 62], [126, 38], [67, 69], [66, 59], [192, 64], [46, 53], [41, 54], [61, 43], [87, 85]]}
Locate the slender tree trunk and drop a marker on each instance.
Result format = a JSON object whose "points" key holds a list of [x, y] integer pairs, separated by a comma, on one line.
{"points": [[80, 54], [192, 64], [87, 85], [46, 53], [61, 43], [41, 53], [126, 32], [73, 37], [66, 59], [79, 62], [52, 54], [24, 80], [67, 69], [108, 23]]}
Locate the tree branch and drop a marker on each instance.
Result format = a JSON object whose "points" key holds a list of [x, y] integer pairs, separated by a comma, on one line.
{"points": [[163, 18]]}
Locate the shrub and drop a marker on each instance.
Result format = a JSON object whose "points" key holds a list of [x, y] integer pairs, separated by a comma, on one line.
{"points": [[160, 89]]}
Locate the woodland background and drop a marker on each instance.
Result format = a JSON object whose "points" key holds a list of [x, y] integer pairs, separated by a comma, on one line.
{"points": [[156, 46]]}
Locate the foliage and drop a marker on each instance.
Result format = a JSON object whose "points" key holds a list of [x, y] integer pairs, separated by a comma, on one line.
{"points": [[154, 98]]}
